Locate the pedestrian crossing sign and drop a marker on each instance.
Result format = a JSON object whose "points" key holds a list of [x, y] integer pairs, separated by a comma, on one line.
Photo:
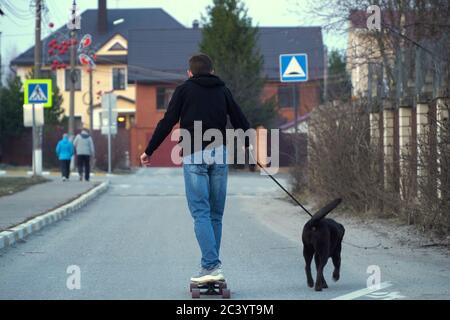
{"points": [[294, 67], [38, 91]]}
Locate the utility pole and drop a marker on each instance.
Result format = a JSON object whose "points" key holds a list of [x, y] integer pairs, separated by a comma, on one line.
{"points": [[109, 131], [325, 76], [38, 44], [37, 132], [91, 99], [1, 66], [1, 85], [73, 34]]}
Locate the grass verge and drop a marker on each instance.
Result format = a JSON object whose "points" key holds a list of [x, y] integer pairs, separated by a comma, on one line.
{"points": [[11, 185]]}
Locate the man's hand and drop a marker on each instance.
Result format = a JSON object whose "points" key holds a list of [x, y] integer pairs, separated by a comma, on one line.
{"points": [[145, 160]]}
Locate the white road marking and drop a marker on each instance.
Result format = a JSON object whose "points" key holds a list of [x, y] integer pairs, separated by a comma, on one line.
{"points": [[363, 292], [386, 295], [124, 186]]}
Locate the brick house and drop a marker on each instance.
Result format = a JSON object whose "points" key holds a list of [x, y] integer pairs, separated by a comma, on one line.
{"points": [[157, 63]]}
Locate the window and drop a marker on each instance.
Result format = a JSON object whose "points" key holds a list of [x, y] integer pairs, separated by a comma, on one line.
{"points": [[163, 96], [78, 123], [49, 74], [286, 97], [121, 121], [118, 78], [77, 77]]}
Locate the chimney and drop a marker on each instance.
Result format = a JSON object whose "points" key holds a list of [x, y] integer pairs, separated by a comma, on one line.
{"points": [[102, 17], [195, 24]]}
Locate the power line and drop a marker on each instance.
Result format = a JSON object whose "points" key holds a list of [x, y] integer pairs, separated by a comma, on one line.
{"points": [[18, 9], [403, 36], [56, 11], [17, 34], [21, 15], [15, 22]]}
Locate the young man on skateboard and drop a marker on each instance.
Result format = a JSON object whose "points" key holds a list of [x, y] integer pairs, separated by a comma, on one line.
{"points": [[204, 98]]}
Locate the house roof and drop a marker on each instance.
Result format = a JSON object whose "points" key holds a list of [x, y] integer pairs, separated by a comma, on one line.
{"points": [[145, 75], [132, 19], [168, 51]]}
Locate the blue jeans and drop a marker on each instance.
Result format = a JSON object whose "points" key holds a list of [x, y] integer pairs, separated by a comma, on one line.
{"points": [[206, 190]]}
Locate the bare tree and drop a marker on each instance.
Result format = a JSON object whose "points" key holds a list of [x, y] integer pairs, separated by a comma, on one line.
{"points": [[409, 28], [408, 56]]}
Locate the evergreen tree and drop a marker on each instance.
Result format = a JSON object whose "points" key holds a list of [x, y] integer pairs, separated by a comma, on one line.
{"points": [[54, 115], [232, 43], [11, 109], [339, 83]]}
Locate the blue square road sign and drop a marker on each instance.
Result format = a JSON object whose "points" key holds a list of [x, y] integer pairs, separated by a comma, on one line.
{"points": [[294, 67], [38, 91]]}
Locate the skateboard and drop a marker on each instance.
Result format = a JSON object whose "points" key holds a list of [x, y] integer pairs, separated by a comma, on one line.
{"points": [[215, 288]]}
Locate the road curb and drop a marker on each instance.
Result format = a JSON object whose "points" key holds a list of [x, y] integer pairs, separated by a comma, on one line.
{"points": [[21, 231]]}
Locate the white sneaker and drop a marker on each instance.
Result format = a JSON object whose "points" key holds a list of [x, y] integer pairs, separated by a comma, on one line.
{"points": [[212, 275]]}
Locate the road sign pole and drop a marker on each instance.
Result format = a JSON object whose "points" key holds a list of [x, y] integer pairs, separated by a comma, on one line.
{"points": [[295, 105], [109, 131], [38, 94], [37, 131], [294, 68], [33, 153]]}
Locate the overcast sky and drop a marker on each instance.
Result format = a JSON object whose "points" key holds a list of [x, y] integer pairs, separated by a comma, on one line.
{"points": [[18, 33]]}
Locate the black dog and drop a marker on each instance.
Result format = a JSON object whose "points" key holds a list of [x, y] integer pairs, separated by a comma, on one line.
{"points": [[322, 238]]}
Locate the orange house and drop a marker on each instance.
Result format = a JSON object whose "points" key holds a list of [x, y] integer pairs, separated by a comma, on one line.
{"points": [[152, 100], [157, 63]]}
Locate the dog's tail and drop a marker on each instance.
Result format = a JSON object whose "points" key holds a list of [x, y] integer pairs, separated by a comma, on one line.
{"points": [[322, 213]]}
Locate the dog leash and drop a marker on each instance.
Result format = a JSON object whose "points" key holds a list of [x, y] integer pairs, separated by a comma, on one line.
{"points": [[279, 184], [298, 202], [361, 247]]}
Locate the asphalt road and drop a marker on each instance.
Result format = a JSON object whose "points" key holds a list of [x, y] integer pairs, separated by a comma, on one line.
{"points": [[137, 242]]}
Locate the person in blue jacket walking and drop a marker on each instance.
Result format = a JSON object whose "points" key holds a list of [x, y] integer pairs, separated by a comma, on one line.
{"points": [[64, 151]]}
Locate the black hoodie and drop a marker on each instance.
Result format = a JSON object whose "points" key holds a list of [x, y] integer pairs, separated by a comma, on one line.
{"points": [[202, 98]]}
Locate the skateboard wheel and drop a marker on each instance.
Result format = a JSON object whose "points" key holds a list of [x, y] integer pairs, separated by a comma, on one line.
{"points": [[226, 293], [192, 286], [195, 293]]}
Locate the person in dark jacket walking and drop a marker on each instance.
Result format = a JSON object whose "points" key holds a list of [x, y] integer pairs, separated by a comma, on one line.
{"points": [[64, 151], [84, 146], [204, 98]]}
